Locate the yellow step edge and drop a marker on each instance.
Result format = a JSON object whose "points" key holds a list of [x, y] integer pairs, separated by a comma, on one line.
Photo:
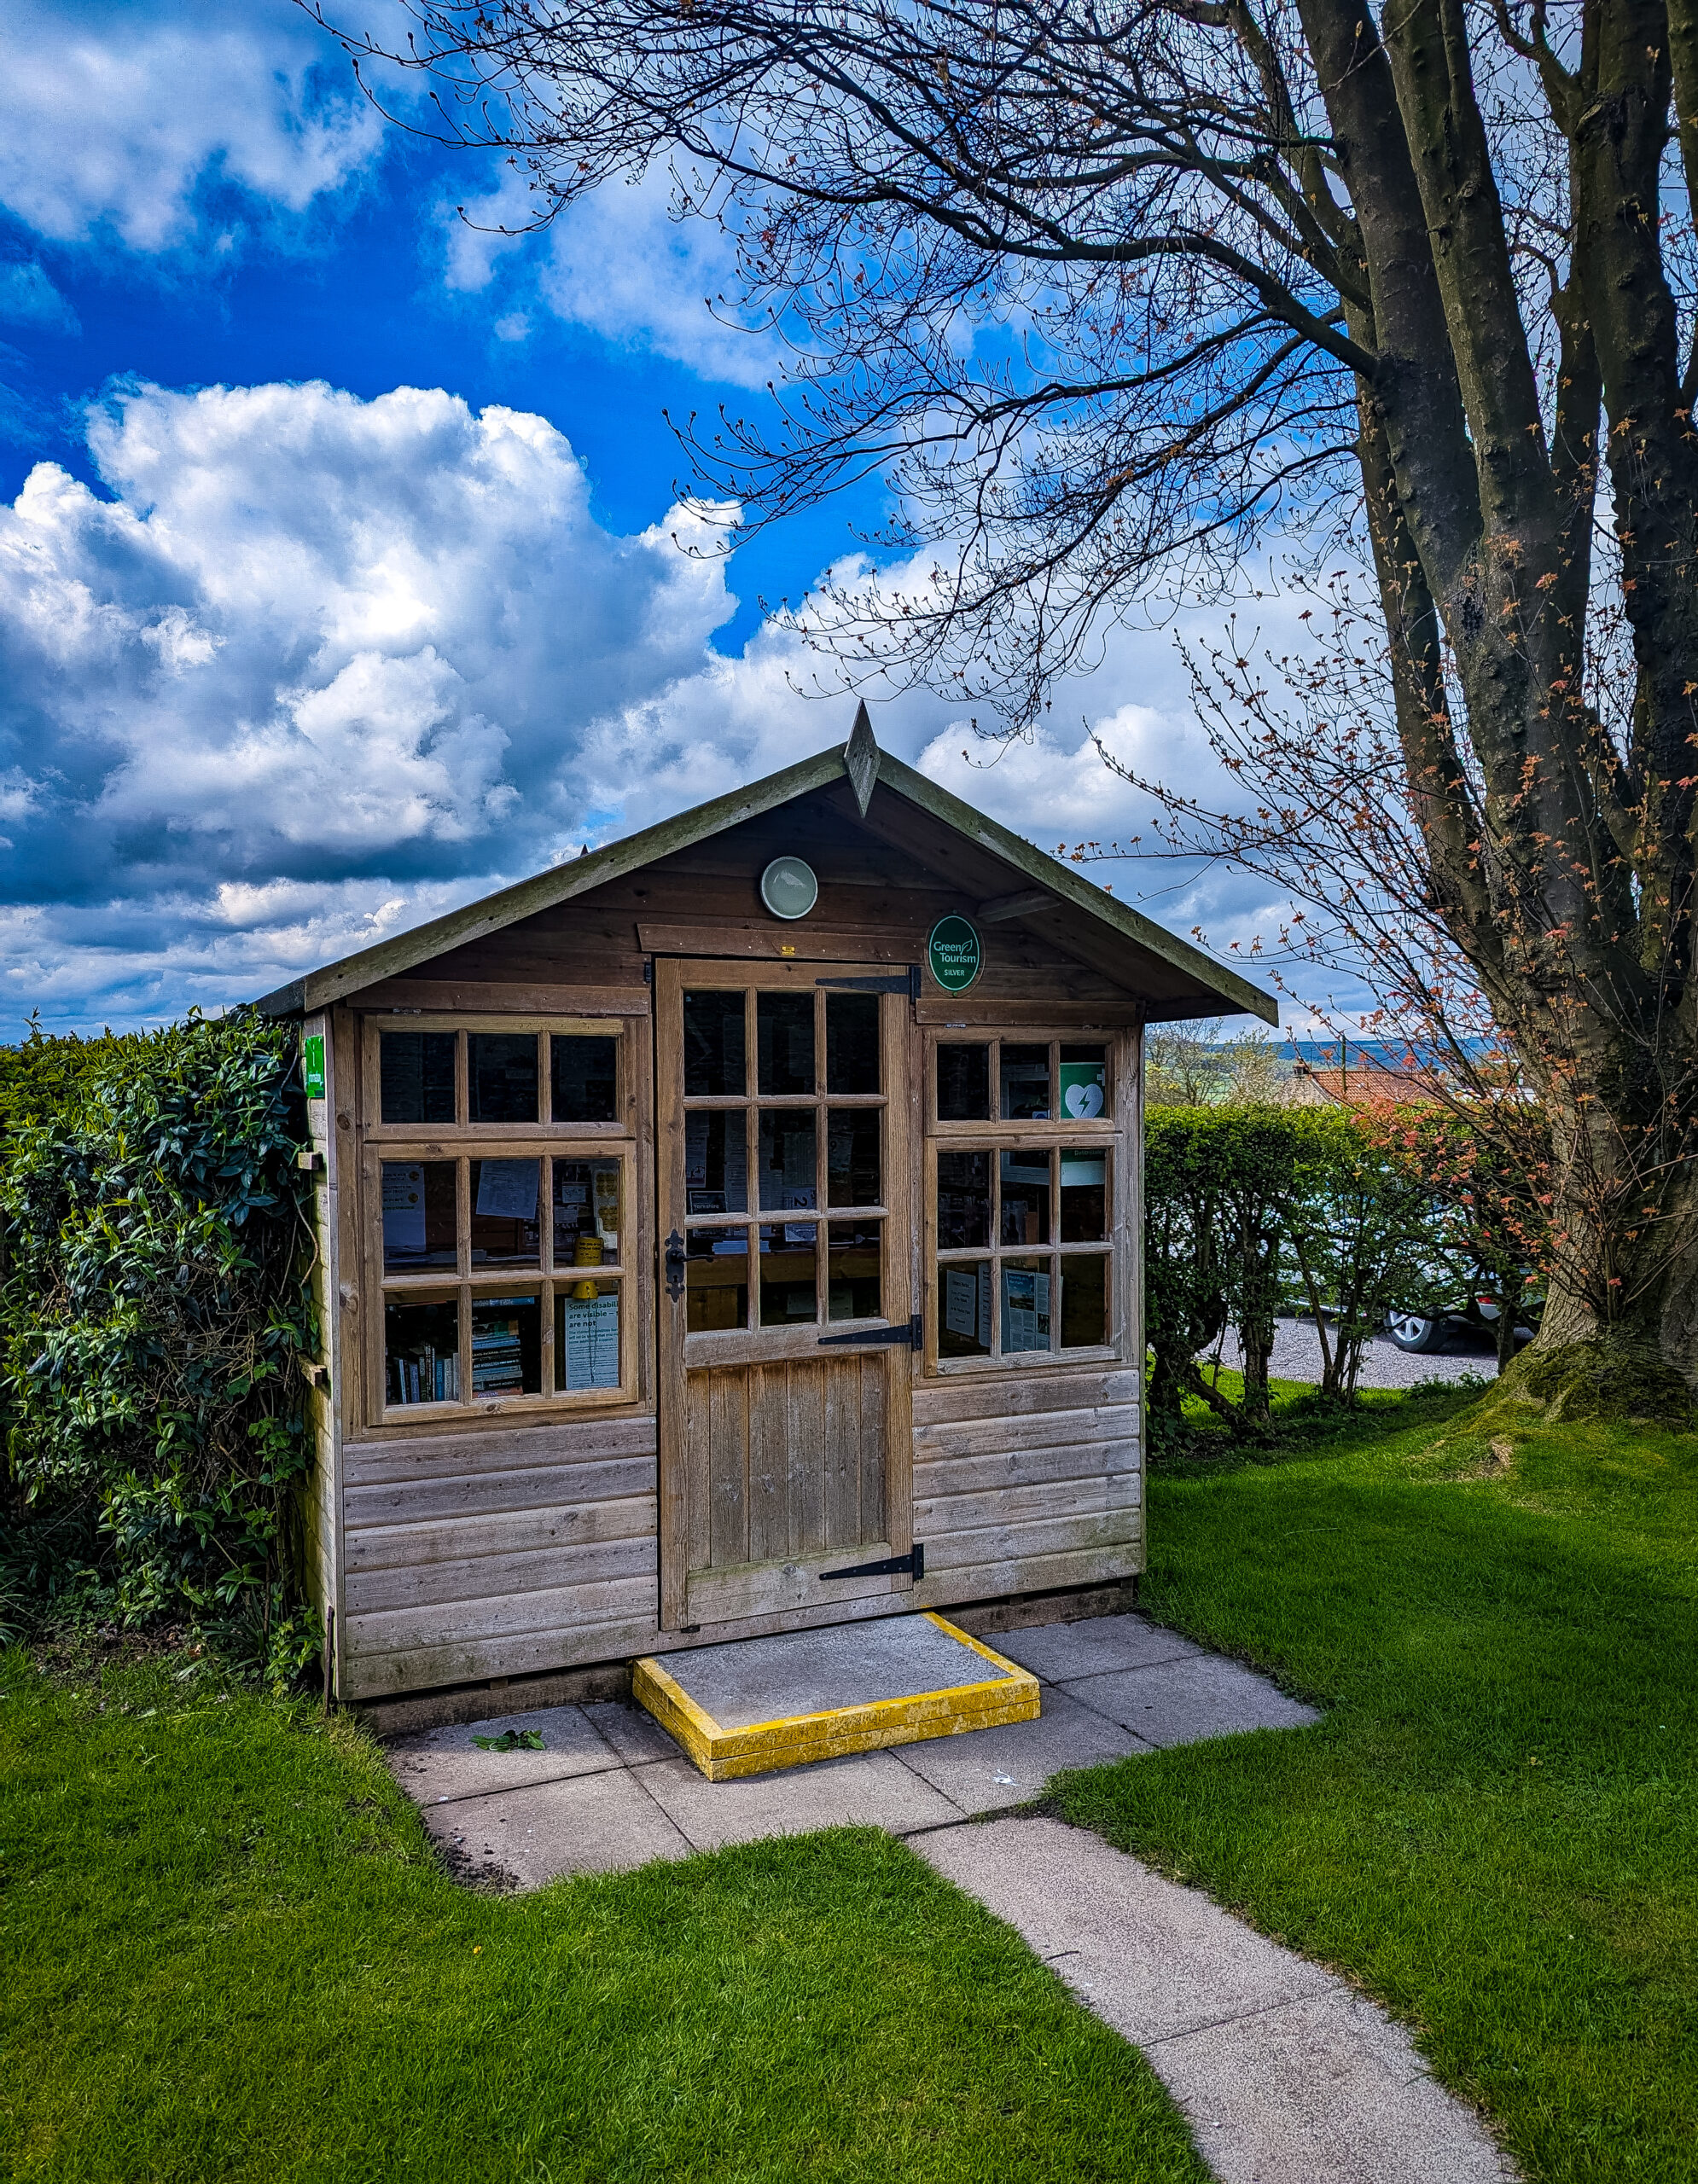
{"points": [[793, 1739]]}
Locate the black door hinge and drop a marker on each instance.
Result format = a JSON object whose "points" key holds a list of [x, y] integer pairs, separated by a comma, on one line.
{"points": [[675, 1266], [906, 982], [905, 1336], [911, 1564]]}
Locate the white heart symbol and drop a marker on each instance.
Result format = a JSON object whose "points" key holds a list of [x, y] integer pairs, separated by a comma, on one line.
{"points": [[1084, 1100]]}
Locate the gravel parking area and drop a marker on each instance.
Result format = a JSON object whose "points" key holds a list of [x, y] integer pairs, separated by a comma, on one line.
{"points": [[1297, 1357]]}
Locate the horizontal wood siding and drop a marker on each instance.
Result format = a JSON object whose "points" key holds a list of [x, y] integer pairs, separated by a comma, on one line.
{"points": [[498, 1552], [1028, 1486], [510, 1552]]}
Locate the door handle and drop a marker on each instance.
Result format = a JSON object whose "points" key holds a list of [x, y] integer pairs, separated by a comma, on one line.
{"points": [[675, 1266]]}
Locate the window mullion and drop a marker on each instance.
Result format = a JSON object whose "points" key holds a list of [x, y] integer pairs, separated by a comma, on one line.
{"points": [[463, 1087]]}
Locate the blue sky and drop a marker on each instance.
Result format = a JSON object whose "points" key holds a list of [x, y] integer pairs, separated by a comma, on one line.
{"points": [[339, 578]]}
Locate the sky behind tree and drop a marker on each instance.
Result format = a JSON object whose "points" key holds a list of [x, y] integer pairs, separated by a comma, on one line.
{"points": [[342, 576]]}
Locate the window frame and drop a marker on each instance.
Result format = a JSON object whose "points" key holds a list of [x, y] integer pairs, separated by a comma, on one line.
{"points": [[464, 1142], [753, 979], [1055, 1139], [544, 1027]]}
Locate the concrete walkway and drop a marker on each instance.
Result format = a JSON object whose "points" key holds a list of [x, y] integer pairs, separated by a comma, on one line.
{"points": [[611, 1790], [1285, 2074]]}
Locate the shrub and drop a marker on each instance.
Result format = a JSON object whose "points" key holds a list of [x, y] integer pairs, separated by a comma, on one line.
{"points": [[154, 1314], [1251, 1207]]}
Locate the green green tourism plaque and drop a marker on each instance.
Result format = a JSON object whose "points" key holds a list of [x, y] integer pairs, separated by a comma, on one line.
{"points": [[312, 1066], [954, 953]]}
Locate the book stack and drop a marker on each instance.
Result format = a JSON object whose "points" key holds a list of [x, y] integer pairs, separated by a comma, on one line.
{"points": [[425, 1374], [496, 1369]]}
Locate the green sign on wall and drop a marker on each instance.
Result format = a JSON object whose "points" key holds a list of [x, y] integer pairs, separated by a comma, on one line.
{"points": [[954, 953], [312, 1066]]}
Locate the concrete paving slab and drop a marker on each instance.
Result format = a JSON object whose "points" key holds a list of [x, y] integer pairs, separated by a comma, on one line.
{"points": [[1181, 1702], [1285, 2076], [984, 1770], [633, 1733], [1150, 1958], [1059, 1651], [871, 1789], [756, 1680], [603, 1823], [446, 1763], [1323, 2091]]}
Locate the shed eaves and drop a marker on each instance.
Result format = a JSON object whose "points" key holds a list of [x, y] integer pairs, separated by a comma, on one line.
{"points": [[1218, 991]]}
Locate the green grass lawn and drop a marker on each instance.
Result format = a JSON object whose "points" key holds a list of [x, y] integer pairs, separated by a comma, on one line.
{"points": [[1494, 1831], [230, 1954]]}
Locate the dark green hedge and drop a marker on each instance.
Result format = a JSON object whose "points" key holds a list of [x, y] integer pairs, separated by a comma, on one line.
{"points": [[153, 1314], [1255, 1209]]}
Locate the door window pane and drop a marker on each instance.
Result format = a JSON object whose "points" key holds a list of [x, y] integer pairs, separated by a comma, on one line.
{"points": [[1085, 1197], [587, 1335], [852, 1043], [501, 1068], [963, 1200], [713, 1046], [717, 1281], [1026, 1304], [422, 1350], [784, 1037], [1026, 1083], [964, 1310], [1083, 1085], [788, 1180], [787, 1255], [583, 1079], [1084, 1302], [852, 1156], [506, 1229], [419, 1213], [852, 1289], [415, 1072], [1025, 1198], [717, 1162], [963, 1082], [586, 1211], [507, 1346]]}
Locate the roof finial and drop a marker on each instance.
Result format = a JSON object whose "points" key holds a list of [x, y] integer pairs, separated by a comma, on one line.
{"points": [[861, 758]]}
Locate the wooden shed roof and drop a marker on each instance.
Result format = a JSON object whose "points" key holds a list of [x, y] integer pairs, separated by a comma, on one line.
{"points": [[1041, 891]]}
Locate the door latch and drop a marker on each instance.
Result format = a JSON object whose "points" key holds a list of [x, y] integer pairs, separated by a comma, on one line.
{"points": [[675, 1266], [911, 1564], [905, 1336]]}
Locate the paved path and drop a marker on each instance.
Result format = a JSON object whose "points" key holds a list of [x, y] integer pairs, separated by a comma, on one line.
{"points": [[1285, 2076], [1297, 1357], [611, 1790]]}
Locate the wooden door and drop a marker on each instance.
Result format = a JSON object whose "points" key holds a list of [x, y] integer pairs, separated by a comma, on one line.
{"points": [[785, 1299]]}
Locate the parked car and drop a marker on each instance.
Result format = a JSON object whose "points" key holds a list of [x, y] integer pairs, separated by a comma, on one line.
{"points": [[1472, 1315]]}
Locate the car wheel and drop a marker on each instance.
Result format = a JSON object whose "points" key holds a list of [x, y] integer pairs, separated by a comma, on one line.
{"points": [[1410, 1332]]}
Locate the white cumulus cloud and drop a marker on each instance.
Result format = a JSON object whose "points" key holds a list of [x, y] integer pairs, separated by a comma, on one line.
{"points": [[115, 115]]}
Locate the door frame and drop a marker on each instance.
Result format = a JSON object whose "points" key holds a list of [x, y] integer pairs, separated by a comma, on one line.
{"points": [[677, 1351]]}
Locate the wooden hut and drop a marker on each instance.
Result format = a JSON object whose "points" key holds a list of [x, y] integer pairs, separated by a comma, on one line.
{"points": [[732, 1230]]}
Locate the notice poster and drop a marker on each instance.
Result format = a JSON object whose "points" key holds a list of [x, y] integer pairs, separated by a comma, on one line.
{"points": [[1026, 1310], [798, 1201], [592, 1342], [961, 1302], [695, 1153], [507, 1190], [404, 1208]]}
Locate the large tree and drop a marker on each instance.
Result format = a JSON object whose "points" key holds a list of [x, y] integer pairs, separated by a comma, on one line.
{"points": [[1108, 288]]}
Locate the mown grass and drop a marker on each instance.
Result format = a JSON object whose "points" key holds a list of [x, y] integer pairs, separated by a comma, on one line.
{"points": [[230, 1954], [1494, 1831]]}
